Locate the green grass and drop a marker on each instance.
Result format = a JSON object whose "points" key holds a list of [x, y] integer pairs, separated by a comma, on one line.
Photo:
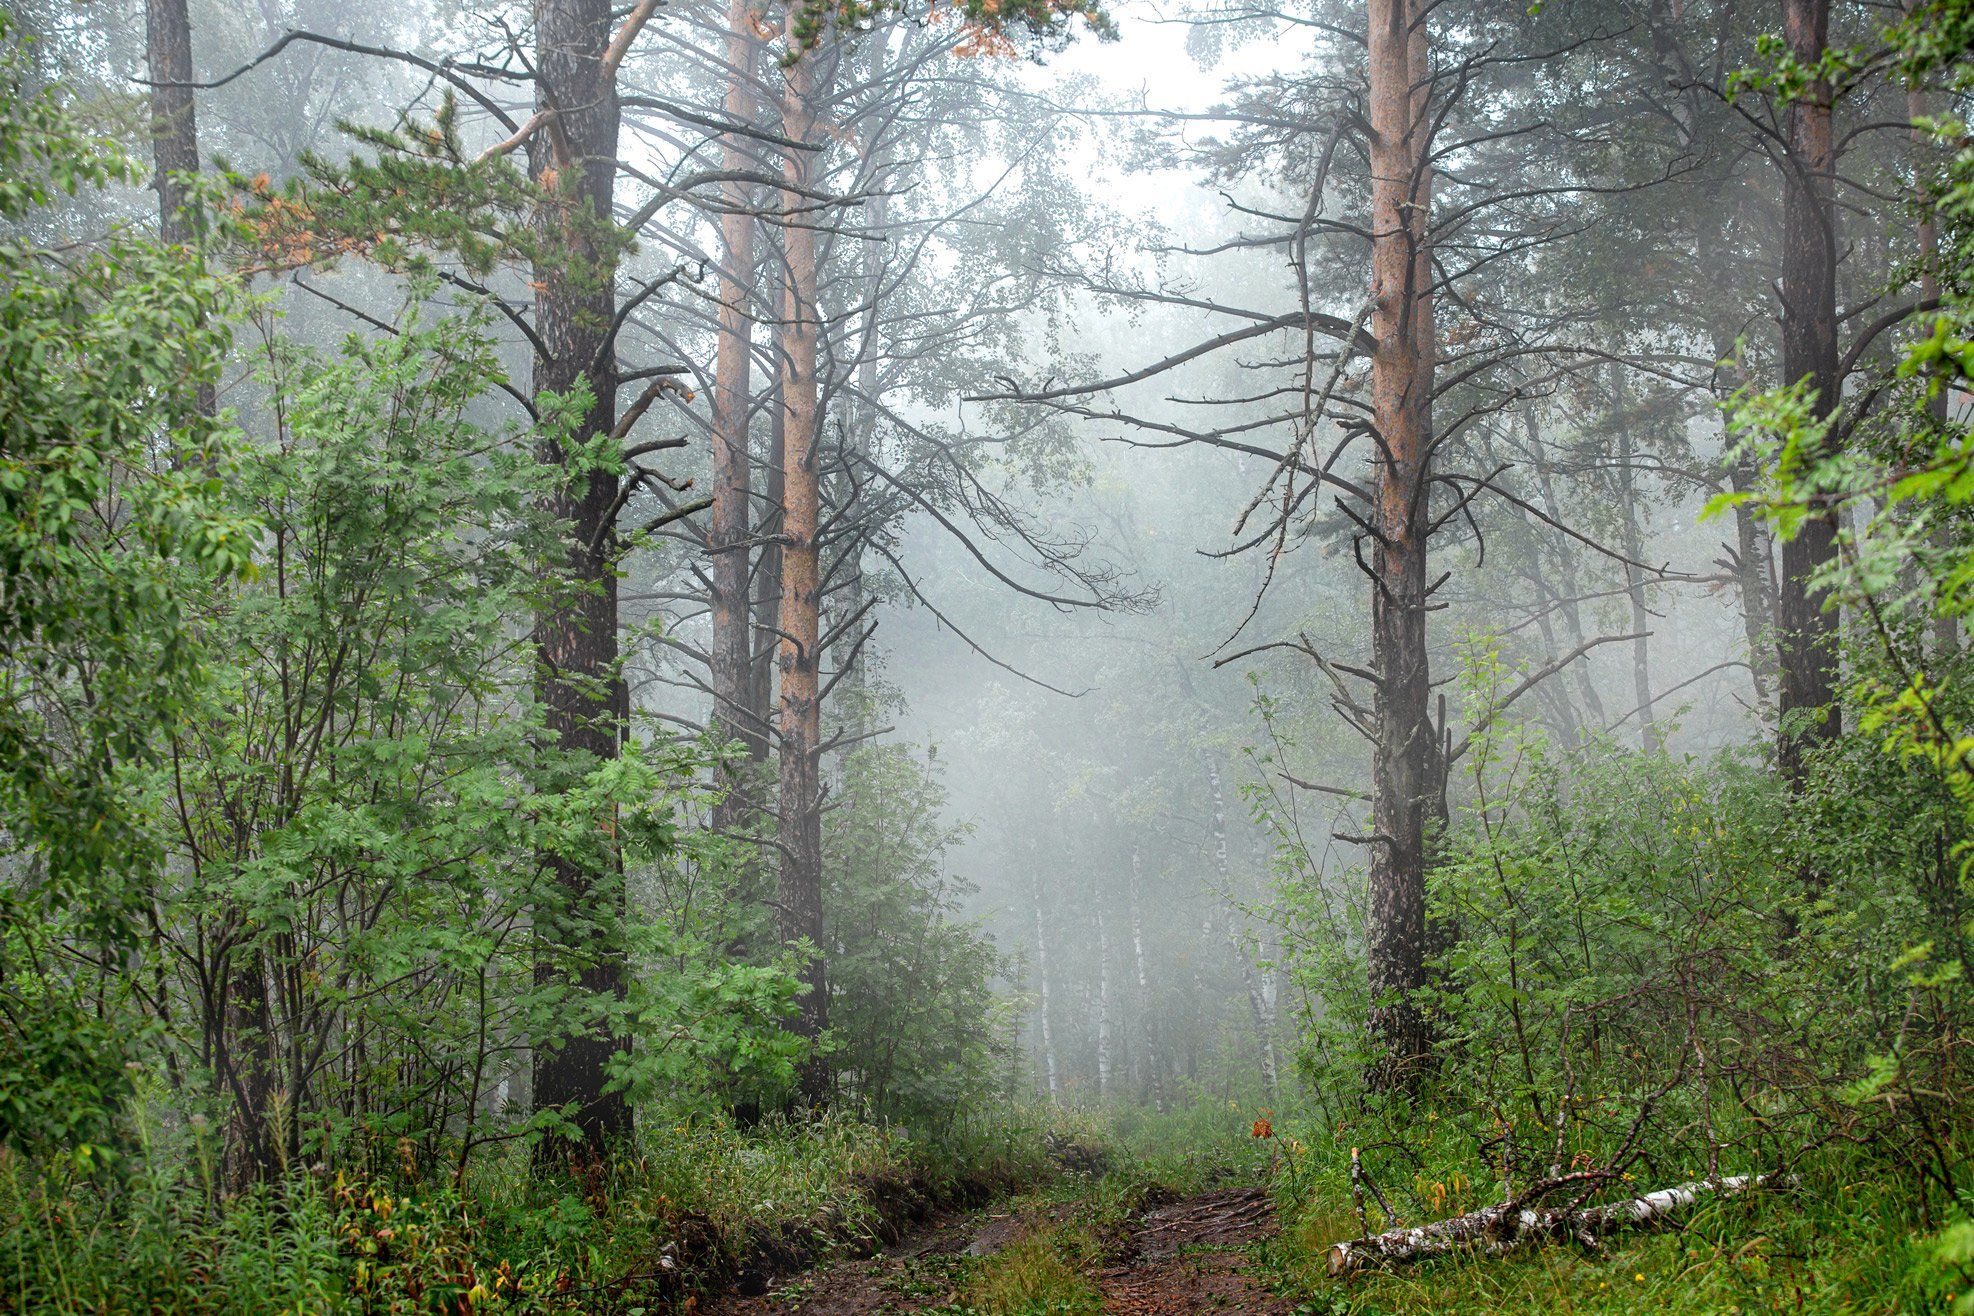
{"points": [[693, 1199], [148, 1237], [1042, 1273], [1073, 1221], [1845, 1241]]}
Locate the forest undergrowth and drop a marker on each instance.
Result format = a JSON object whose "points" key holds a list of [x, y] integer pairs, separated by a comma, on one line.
{"points": [[388, 926], [698, 1206], [707, 1207]]}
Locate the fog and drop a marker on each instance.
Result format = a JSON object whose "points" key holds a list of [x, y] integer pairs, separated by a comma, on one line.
{"points": [[985, 655], [1063, 789], [1103, 637]]}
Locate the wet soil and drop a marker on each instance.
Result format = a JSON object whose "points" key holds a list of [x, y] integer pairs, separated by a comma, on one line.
{"points": [[1175, 1256], [1191, 1255]]}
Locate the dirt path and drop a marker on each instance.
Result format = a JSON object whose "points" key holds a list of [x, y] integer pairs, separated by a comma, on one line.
{"points": [[1175, 1257], [1190, 1256], [915, 1272]]}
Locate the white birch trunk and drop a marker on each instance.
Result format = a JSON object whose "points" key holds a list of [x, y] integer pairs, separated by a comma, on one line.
{"points": [[1497, 1229], [1257, 1004], [1042, 984], [1103, 1002], [1146, 1015]]}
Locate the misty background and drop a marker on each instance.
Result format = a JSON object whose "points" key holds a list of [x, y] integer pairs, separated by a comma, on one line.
{"points": [[1101, 766]]}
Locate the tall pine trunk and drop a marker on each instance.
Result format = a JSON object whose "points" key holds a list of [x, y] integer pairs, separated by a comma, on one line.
{"points": [[736, 718], [800, 723], [1103, 1002], [765, 582], [174, 133], [174, 116], [1754, 572], [1406, 746], [1807, 633], [575, 159]]}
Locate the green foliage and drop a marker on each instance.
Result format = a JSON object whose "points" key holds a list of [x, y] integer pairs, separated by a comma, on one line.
{"points": [[65, 1069], [710, 1020], [362, 792], [920, 1031], [108, 514], [1935, 38], [1845, 1242], [44, 153], [989, 26], [1658, 968], [418, 194], [1614, 916], [277, 697], [693, 1199], [105, 500]]}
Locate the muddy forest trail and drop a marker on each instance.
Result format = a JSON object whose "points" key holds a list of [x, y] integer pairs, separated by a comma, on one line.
{"points": [[1165, 1255]]}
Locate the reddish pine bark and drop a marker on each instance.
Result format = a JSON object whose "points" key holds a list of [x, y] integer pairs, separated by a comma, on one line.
{"points": [[1406, 747]]}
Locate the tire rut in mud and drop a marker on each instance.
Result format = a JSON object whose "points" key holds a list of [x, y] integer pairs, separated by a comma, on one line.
{"points": [[1191, 1255], [1177, 1255]]}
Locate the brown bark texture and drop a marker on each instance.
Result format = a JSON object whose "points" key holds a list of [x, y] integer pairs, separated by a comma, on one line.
{"points": [[575, 157], [1406, 746], [1806, 630], [736, 718], [174, 133], [798, 659], [174, 115]]}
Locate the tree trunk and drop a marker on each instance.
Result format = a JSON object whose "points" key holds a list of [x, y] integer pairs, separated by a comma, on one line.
{"points": [[1498, 1229], [1042, 984], [1202, 997], [244, 1061], [1633, 542], [1807, 632], [174, 115], [1103, 1002], [800, 723], [857, 438], [1756, 570], [1401, 397], [765, 583], [1152, 1083], [246, 1043], [1946, 626], [1257, 1005], [1569, 590], [1754, 560], [579, 684], [174, 135], [735, 718]]}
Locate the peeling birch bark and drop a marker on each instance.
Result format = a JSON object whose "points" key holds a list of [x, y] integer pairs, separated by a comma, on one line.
{"points": [[1494, 1230]]}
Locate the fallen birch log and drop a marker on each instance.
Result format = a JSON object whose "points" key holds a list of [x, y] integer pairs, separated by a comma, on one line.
{"points": [[1496, 1229]]}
